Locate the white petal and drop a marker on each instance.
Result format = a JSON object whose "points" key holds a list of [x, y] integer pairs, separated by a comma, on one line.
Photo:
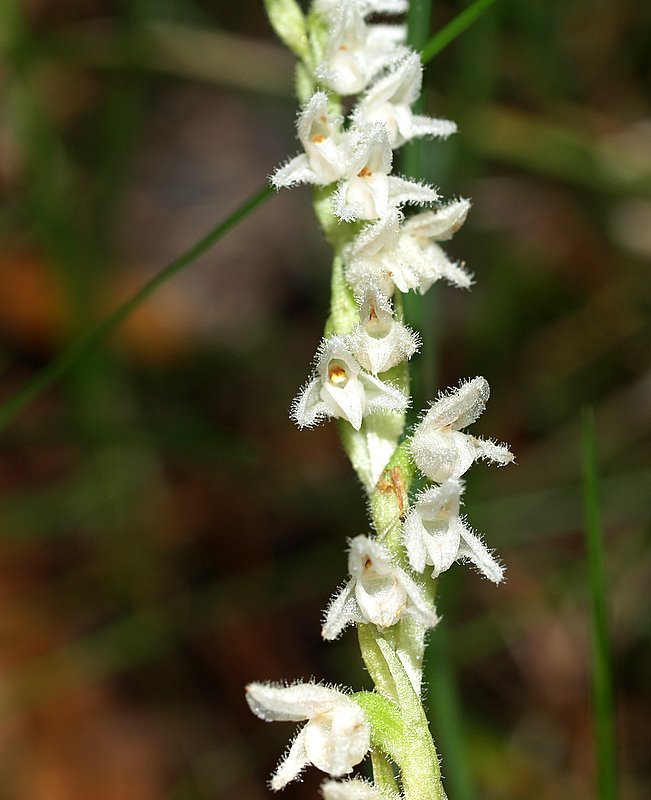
{"points": [[308, 408], [292, 764], [299, 701], [414, 540], [349, 402], [341, 612], [419, 606], [459, 408], [354, 789], [296, 171], [443, 545], [382, 396], [442, 455], [403, 191], [337, 741], [476, 551], [492, 451], [431, 126], [440, 224]]}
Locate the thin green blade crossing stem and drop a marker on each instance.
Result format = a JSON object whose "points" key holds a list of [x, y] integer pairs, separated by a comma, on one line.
{"points": [[85, 345], [453, 29], [604, 714]]}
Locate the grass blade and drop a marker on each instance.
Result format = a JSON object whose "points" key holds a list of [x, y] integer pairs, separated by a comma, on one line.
{"points": [[86, 343], [604, 716], [454, 28]]}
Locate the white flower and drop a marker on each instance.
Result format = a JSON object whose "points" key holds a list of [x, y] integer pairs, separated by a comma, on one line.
{"points": [[324, 142], [354, 789], [369, 191], [378, 592], [389, 101], [355, 52], [342, 388], [335, 738], [391, 255], [439, 448], [428, 262], [380, 341], [435, 534]]}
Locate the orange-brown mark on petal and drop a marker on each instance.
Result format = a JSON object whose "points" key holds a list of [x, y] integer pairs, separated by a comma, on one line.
{"points": [[364, 172], [343, 47], [368, 563], [318, 138], [323, 118], [372, 314], [337, 375]]}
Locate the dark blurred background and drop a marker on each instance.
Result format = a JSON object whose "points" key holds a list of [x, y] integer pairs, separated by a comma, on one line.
{"points": [[168, 535]]}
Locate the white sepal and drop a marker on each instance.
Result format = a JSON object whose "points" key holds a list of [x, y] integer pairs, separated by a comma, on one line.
{"points": [[389, 101], [378, 592], [354, 789], [335, 738], [435, 534], [341, 388], [356, 51], [325, 144], [366, 6], [380, 341], [393, 253], [439, 448]]}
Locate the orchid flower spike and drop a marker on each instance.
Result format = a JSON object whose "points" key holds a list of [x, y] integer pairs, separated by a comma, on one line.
{"points": [[380, 341], [395, 254], [378, 592], [335, 738], [356, 51], [435, 534], [441, 451], [324, 160], [389, 101], [342, 388], [368, 191], [355, 789]]}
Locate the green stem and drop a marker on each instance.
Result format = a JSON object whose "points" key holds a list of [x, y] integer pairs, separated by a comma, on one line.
{"points": [[457, 26], [87, 343], [605, 744]]}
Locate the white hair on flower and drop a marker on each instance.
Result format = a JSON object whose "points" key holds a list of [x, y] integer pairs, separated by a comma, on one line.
{"points": [[342, 388], [435, 534], [335, 738], [324, 142], [356, 51], [441, 451], [378, 592], [368, 191], [355, 789], [389, 101], [394, 254], [380, 341]]}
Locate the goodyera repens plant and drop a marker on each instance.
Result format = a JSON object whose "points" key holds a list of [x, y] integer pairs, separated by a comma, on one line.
{"points": [[361, 379]]}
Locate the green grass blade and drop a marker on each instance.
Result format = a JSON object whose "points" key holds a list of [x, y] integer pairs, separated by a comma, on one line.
{"points": [[604, 716], [453, 29], [87, 343]]}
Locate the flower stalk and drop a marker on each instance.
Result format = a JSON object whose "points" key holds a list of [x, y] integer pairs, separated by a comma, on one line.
{"points": [[381, 249]]}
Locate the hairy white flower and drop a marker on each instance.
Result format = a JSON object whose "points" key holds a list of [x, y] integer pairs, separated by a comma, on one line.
{"points": [[335, 738], [380, 341], [354, 789], [368, 191], [435, 534], [356, 51], [378, 592], [342, 388], [427, 260], [325, 158], [389, 101], [392, 253], [441, 451]]}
